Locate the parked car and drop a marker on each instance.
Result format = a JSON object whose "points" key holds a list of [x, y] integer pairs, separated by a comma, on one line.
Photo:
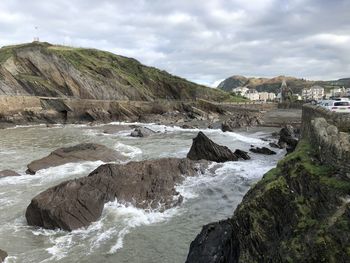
{"points": [[336, 105]]}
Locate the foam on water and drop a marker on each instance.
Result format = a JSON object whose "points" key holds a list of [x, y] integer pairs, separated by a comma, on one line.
{"points": [[128, 150], [67, 170], [109, 232]]}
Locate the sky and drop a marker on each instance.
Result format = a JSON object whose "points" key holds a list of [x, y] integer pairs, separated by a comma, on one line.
{"points": [[203, 41]]}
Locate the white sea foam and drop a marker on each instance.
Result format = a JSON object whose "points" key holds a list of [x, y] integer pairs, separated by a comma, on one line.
{"points": [[116, 222], [67, 170], [26, 126], [128, 150]]}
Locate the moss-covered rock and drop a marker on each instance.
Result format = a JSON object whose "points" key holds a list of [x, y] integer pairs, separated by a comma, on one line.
{"points": [[298, 212]]}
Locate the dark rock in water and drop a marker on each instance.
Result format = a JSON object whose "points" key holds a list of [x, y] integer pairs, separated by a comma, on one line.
{"points": [[3, 255], [262, 150], [77, 203], [241, 120], [242, 154], [142, 132], [215, 235], [275, 145], [205, 149], [6, 173], [77, 153], [288, 138]]}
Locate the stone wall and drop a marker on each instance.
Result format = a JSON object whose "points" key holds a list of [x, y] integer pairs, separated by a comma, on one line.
{"points": [[340, 120], [330, 133], [13, 104]]}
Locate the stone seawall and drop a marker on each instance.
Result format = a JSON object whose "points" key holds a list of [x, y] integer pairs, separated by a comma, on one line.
{"points": [[330, 133]]}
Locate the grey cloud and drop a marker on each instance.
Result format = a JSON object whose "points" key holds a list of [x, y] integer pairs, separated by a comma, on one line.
{"points": [[200, 40]]}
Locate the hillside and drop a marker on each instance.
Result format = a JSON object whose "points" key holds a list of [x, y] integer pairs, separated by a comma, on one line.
{"points": [[274, 84], [43, 69]]}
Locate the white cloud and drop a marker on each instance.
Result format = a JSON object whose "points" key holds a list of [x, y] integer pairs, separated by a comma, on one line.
{"points": [[201, 41]]}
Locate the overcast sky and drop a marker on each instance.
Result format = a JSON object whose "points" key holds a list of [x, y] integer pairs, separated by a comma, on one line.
{"points": [[203, 41]]}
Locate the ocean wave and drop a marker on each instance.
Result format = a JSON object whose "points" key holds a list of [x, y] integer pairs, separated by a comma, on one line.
{"points": [[128, 150]]}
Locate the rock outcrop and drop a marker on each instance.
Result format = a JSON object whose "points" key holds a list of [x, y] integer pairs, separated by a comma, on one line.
{"points": [[205, 149], [142, 132], [288, 138], [245, 119], [6, 173], [262, 150], [77, 153], [298, 212], [204, 249], [77, 203], [242, 154], [3, 255]]}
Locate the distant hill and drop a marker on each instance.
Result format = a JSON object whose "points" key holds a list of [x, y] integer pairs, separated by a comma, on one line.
{"points": [[274, 84], [43, 69]]}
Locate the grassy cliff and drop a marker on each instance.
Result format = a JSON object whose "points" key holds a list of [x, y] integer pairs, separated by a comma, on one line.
{"points": [[51, 70]]}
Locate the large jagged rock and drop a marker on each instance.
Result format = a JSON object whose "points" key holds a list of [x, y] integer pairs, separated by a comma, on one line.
{"points": [[6, 173], [3, 255], [77, 153], [205, 149], [240, 120], [298, 212], [77, 203]]}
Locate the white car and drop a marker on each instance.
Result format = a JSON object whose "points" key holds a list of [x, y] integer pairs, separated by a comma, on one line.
{"points": [[337, 105]]}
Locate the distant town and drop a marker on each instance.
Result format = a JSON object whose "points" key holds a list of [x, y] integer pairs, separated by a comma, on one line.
{"points": [[315, 92]]}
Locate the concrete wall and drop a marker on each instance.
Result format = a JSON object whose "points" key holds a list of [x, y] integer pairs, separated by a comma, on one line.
{"points": [[329, 132]]}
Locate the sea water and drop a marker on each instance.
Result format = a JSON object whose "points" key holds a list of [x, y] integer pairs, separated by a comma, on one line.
{"points": [[123, 233]]}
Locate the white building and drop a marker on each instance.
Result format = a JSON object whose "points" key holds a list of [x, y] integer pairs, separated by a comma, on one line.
{"points": [[313, 93], [271, 96], [338, 92], [240, 90], [252, 95], [267, 96]]}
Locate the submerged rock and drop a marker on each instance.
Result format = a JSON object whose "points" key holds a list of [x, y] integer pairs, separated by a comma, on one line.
{"points": [[275, 145], [3, 255], [242, 154], [205, 149], [142, 132], [262, 150], [6, 173], [77, 203], [77, 153]]}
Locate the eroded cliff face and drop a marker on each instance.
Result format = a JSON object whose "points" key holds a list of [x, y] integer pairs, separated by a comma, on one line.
{"points": [[43, 69], [298, 212]]}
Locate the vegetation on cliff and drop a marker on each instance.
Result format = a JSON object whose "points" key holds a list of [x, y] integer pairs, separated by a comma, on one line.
{"points": [[49, 70], [298, 212]]}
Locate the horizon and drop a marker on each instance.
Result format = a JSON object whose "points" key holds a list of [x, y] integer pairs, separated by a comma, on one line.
{"points": [[235, 38]]}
